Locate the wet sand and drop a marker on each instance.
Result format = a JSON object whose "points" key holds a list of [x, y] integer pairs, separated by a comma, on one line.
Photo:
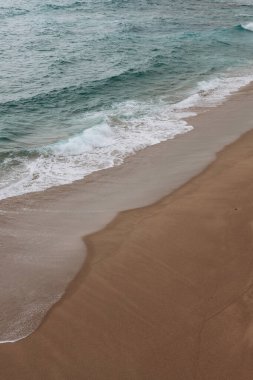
{"points": [[166, 291]]}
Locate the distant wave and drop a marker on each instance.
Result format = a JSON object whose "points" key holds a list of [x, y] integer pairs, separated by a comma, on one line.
{"points": [[248, 26], [127, 27], [67, 6], [244, 15], [12, 11]]}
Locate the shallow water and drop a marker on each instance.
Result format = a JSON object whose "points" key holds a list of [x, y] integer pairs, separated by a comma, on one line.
{"points": [[85, 84]]}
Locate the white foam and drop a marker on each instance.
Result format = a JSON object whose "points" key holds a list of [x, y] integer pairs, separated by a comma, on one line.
{"points": [[213, 92], [248, 26], [97, 137], [112, 136]]}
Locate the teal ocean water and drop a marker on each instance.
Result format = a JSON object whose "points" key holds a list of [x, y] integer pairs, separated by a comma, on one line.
{"points": [[85, 84]]}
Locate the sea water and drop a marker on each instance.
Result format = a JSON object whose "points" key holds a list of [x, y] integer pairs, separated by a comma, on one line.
{"points": [[84, 84]]}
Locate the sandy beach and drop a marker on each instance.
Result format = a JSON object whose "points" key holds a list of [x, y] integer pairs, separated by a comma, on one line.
{"points": [[165, 291], [126, 182]]}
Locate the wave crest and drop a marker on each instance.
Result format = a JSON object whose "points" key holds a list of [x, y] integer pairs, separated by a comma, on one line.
{"points": [[248, 26]]}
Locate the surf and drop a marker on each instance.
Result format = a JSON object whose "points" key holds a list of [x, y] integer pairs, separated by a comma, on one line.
{"points": [[248, 26]]}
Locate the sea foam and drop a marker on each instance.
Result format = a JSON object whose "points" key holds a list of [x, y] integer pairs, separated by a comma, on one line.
{"points": [[111, 136], [248, 26]]}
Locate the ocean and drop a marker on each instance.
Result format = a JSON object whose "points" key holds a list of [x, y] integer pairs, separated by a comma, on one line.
{"points": [[85, 84]]}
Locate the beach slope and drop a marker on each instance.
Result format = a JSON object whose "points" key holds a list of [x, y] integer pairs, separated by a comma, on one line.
{"points": [[166, 292]]}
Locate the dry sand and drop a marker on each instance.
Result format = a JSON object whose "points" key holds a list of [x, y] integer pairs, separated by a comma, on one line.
{"points": [[166, 292]]}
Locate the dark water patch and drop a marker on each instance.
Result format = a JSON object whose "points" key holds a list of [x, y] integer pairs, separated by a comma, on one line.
{"points": [[53, 6], [12, 12]]}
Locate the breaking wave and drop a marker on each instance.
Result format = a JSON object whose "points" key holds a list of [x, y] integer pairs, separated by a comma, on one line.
{"points": [[108, 137]]}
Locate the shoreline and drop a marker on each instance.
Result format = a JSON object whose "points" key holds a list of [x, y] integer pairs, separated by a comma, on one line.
{"points": [[205, 95], [159, 305], [102, 196]]}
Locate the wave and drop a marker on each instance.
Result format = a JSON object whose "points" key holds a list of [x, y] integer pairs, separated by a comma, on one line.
{"points": [[245, 15], [111, 137], [117, 84], [248, 26], [108, 137], [212, 92], [12, 12], [51, 6], [83, 92]]}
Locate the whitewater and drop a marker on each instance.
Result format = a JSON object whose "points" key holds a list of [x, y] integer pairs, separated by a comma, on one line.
{"points": [[91, 83]]}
